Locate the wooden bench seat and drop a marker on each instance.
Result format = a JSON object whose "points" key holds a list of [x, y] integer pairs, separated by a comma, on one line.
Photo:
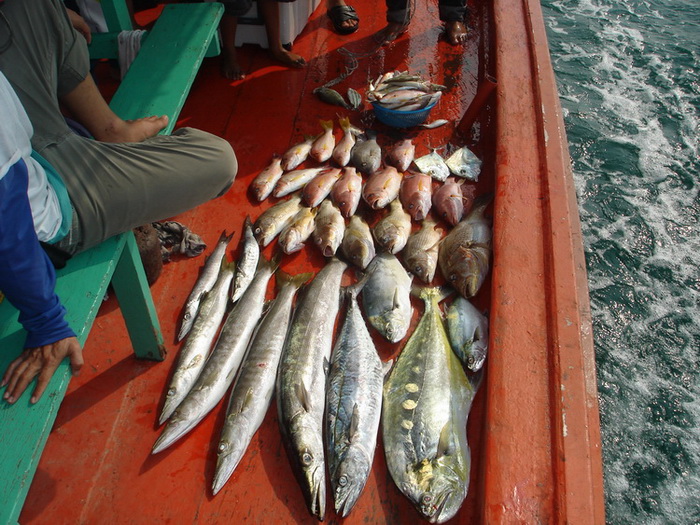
{"points": [[157, 84]]}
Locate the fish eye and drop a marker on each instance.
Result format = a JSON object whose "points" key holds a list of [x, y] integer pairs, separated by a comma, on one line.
{"points": [[411, 206], [223, 446], [427, 499], [453, 277], [343, 480], [187, 316], [306, 458], [171, 392]]}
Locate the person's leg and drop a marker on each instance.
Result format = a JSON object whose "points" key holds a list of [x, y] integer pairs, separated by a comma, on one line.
{"points": [[398, 16], [117, 187], [270, 12], [453, 13], [230, 68], [348, 21]]}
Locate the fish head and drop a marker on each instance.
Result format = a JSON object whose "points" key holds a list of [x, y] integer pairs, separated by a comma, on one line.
{"points": [[396, 325], [308, 454], [292, 241], [477, 356], [180, 423], [467, 269], [360, 253], [349, 480], [420, 266], [436, 491]]}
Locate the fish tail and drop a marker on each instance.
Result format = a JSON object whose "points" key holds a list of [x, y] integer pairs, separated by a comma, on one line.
{"points": [[481, 202], [248, 223], [297, 281], [326, 124], [353, 290], [225, 238], [344, 123]]}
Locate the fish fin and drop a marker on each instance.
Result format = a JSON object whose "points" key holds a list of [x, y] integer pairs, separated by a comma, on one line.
{"points": [[445, 444], [225, 238], [303, 396], [247, 401], [326, 366], [354, 423], [476, 379], [283, 278], [386, 368]]}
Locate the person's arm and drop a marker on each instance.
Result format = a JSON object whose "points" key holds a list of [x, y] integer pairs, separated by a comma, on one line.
{"points": [[27, 279]]}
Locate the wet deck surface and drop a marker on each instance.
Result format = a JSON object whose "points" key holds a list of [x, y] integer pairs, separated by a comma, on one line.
{"points": [[97, 466]]}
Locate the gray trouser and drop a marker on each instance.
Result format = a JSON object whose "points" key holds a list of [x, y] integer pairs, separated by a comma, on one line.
{"points": [[113, 187]]}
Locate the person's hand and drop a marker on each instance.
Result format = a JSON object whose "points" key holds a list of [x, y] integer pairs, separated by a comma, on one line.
{"points": [[79, 24], [42, 361]]}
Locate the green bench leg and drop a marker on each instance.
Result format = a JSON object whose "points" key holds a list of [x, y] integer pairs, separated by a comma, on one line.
{"points": [[134, 296]]}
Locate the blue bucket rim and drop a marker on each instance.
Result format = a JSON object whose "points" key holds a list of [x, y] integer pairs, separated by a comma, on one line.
{"points": [[375, 105]]}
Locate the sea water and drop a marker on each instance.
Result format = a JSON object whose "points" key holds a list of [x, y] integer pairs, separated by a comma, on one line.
{"points": [[628, 74]]}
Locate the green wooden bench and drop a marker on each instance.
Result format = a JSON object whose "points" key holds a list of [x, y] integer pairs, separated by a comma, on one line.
{"points": [[157, 84]]}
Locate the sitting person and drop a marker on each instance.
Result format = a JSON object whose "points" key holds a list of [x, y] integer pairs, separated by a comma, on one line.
{"points": [[343, 17], [72, 192], [452, 13]]}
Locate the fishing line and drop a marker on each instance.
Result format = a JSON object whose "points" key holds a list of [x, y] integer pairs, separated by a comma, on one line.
{"points": [[352, 58]]}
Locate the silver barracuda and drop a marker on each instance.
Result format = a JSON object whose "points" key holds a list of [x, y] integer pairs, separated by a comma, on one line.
{"points": [[222, 365], [469, 333], [427, 399], [204, 283], [391, 232], [247, 261], [252, 392], [420, 255], [353, 406], [386, 297], [195, 350], [465, 253], [301, 382], [273, 220]]}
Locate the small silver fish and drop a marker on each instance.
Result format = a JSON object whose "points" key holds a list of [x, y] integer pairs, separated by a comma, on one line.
{"points": [[392, 231], [358, 245], [297, 153], [322, 147], [434, 124], [366, 156], [263, 184], [273, 220], [420, 255], [386, 297], [329, 229], [464, 163], [433, 165], [293, 237], [469, 333], [247, 261]]}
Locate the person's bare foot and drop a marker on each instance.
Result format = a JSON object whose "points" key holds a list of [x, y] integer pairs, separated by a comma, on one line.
{"points": [[455, 32], [390, 33], [288, 58], [230, 68], [132, 130]]}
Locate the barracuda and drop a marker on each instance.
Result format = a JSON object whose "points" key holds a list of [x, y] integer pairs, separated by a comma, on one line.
{"points": [[222, 365], [251, 394], [204, 283], [301, 382], [427, 398], [353, 406], [194, 352]]}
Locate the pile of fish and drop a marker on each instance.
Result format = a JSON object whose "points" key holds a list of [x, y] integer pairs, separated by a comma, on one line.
{"points": [[321, 204], [401, 91], [394, 217]]}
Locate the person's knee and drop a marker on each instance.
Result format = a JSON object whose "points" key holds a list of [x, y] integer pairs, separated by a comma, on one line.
{"points": [[227, 167]]}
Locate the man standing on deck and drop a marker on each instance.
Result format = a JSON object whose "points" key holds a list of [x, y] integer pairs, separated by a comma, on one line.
{"points": [[71, 192]]}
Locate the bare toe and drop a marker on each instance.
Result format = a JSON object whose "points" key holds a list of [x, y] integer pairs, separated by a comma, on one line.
{"points": [[456, 33]]}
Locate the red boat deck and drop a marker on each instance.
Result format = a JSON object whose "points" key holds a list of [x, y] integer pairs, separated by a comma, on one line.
{"points": [[97, 466]]}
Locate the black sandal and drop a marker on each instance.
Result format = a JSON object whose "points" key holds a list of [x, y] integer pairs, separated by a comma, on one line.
{"points": [[342, 13]]}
